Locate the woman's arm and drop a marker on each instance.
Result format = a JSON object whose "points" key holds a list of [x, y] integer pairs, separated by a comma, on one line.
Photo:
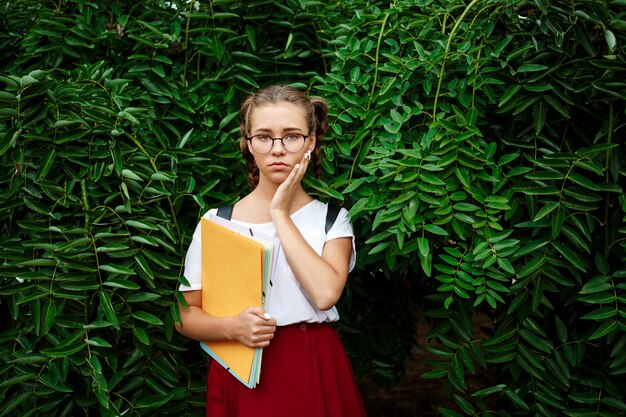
{"points": [[250, 327], [324, 277]]}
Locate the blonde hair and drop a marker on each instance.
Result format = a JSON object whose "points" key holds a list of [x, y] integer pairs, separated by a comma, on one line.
{"points": [[316, 111]]}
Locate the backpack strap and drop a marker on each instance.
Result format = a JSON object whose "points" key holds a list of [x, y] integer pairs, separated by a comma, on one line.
{"points": [[332, 212], [331, 215], [225, 212]]}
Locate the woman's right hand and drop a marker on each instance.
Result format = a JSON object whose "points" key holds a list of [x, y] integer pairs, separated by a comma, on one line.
{"points": [[252, 327]]}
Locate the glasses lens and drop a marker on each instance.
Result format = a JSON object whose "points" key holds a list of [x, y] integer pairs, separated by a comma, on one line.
{"points": [[293, 143], [261, 144]]}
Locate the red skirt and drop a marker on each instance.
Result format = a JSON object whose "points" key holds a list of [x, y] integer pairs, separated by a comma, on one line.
{"points": [[305, 372]]}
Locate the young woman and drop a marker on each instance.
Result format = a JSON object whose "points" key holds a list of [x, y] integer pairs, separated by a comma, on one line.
{"points": [[305, 370]]}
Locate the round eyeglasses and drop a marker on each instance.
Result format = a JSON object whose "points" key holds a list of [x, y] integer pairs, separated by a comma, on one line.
{"points": [[292, 142]]}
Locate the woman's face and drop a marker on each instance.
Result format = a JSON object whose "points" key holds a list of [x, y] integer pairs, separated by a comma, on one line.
{"points": [[276, 121]]}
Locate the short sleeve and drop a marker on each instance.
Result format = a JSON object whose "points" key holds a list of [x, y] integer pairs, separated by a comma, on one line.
{"points": [[193, 260], [343, 228]]}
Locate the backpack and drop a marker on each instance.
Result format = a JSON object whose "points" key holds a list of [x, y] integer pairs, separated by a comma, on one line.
{"points": [[226, 212]]}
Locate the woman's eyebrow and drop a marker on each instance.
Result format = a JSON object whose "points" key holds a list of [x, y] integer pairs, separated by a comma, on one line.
{"points": [[285, 129]]}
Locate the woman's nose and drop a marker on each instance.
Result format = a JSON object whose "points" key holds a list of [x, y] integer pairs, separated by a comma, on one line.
{"points": [[277, 147]]}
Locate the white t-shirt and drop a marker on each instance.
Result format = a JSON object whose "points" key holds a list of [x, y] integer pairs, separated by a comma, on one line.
{"points": [[287, 303]]}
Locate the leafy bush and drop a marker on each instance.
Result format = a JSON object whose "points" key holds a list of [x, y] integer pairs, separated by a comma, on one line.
{"points": [[117, 136], [479, 148]]}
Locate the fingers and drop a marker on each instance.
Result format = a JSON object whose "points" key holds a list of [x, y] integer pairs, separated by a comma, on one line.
{"points": [[298, 171], [257, 311], [262, 335], [258, 327], [304, 163]]}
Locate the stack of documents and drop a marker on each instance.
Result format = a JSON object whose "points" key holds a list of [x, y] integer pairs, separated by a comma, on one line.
{"points": [[237, 267]]}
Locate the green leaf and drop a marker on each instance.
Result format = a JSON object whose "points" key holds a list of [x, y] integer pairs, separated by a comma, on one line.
{"points": [[537, 341], [109, 312], [516, 399], [601, 313], [606, 328], [597, 284], [144, 240], [14, 403], [569, 255], [545, 210], [561, 329], [147, 317], [426, 262], [98, 342], [539, 116], [162, 176], [531, 68], [141, 335], [531, 266], [489, 390], [46, 164], [446, 412], [117, 269], [121, 283], [537, 294], [64, 351], [547, 190], [431, 179], [17, 379], [614, 403], [154, 401], [506, 265], [583, 181], [422, 245], [598, 298], [49, 314], [463, 176], [532, 246], [464, 405], [610, 39], [434, 229], [127, 173]]}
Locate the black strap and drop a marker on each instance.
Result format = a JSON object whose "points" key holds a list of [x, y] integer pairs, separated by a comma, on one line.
{"points": [[332, 211], [225, 212], [331, 215]]}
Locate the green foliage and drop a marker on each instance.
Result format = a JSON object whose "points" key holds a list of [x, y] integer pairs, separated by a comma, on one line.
{"points": [[117, 134], [478, 146], [481, 147]]}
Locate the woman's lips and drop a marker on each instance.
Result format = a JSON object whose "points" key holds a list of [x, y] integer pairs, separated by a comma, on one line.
{"points": [[278, 165]]}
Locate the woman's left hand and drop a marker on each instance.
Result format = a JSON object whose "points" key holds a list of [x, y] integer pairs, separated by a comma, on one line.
{"points": [[281, 202]]}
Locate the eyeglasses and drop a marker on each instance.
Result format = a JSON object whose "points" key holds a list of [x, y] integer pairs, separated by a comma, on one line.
{"points": [[292, 142]]}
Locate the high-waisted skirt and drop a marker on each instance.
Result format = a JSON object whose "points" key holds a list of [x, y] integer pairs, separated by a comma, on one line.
{"points": [[305, 372]]}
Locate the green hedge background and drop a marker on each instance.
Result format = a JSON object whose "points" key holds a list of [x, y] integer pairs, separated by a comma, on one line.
{"points": [[478, 145]]}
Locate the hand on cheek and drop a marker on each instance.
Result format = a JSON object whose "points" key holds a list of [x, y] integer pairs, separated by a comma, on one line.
{"points": [[302, 166], [286, 191]]}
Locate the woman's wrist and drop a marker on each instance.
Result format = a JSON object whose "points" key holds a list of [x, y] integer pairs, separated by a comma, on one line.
{"points": [[279, 214], [227, 327]]}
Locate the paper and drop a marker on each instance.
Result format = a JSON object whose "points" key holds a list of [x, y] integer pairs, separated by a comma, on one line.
{"points": [[237, 266]]}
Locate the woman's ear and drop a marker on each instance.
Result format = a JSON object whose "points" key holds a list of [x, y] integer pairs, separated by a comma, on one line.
{"points": [[312, 144]]}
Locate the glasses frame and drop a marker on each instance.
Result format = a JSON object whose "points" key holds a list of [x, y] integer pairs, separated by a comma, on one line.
{"points": [[249, 139]]}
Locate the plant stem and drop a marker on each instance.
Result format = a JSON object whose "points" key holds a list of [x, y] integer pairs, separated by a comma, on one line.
{"points": [[445, 56], [83, 189], [156, 169], [607, 174], [380, 38]]}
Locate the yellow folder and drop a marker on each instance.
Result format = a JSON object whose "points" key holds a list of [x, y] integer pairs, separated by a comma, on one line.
{"points": [[232, 280]]}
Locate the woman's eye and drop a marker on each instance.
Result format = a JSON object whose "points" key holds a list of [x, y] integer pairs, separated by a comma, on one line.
{"points": [[292, 136], [264, 138]]}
